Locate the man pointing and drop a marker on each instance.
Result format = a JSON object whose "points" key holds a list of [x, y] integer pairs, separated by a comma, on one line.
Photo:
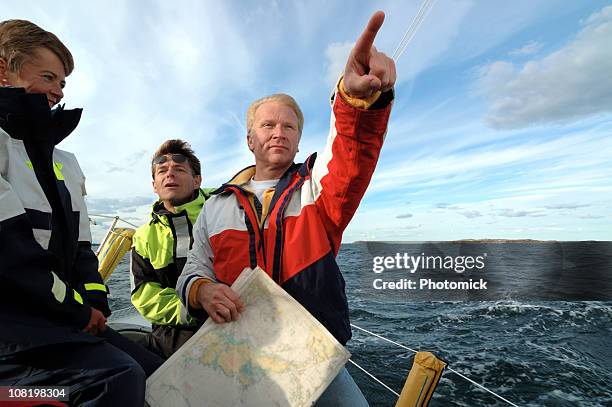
{"points": [[289, 218]]}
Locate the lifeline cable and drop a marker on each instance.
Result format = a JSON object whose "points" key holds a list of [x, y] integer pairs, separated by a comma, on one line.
{"points": [[448, 368], [373, 377], [112, 217]]}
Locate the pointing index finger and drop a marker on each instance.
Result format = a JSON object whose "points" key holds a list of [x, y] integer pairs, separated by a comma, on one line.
{"points": [[366, 39]]}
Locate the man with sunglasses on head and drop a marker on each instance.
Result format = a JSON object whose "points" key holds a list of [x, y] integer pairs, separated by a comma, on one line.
{"points": [[160, 247]]}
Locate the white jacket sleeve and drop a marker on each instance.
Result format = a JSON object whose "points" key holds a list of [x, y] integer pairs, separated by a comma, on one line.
{"points": [[199, 262]]}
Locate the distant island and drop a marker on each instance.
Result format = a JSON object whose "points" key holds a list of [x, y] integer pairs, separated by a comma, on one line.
{"points": [[502, 241], [475, 241]]}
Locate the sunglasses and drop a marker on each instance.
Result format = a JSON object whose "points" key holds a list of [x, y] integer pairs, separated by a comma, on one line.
{"points": [[177, 158]]}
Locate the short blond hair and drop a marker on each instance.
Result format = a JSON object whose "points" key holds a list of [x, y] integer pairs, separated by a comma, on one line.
{"points": [[19, 40], [281, 98]]}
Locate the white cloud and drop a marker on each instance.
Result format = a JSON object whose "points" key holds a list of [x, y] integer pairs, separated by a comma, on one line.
{"points": [[442, 205], [567, 206], [514, 213], [456, 167], [470, 214], [532, 47], [336, 54], [589, 216], [567, 85], [412, 227]]}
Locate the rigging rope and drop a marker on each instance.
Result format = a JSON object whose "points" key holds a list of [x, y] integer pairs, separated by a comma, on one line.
{"points": [[414, 351], [426, 6]]}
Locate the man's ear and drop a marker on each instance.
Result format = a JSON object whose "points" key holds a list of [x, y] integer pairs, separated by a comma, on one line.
{"points": [[197, 181], [154, 187], [250, 142]]}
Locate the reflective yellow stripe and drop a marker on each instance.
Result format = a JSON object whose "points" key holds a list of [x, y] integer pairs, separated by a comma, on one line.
{"points": [[57, 169], [78, 297], [95, 287]]}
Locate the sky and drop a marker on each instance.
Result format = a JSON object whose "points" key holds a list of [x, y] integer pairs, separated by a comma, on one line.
{"points": [[501, 126]]}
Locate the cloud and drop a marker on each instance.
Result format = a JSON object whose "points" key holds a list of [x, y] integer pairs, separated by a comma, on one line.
{"points": [[336, 54], [412, 227], [112, 206], [514, 213], [533, 160], [564, 86], [567, 206], [404, 216], [444, 205], [470, 214], [589, 216], [530, 48]]}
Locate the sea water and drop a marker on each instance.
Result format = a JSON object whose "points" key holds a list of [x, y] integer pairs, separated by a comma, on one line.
{"points": [[519, 343]]}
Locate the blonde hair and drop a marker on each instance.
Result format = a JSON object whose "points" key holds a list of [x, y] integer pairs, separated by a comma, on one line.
{"points": [[19, 40], [281, 98]]}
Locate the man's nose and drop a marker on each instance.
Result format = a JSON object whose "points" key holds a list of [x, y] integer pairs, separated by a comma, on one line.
{"points": [[171, 171], [279, 132]]}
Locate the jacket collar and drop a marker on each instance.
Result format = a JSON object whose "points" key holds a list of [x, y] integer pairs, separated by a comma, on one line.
{"points": [[192, 208], [243, 176], [27, 116]]}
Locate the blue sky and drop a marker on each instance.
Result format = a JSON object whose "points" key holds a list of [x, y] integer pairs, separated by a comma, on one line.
{"points": [[501, 127]]}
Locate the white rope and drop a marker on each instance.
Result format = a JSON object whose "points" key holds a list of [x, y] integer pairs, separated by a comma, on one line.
{"points": [[414, 351], [418, 19], [414, 26], [384, 339], [372, 376], [112, 217]]}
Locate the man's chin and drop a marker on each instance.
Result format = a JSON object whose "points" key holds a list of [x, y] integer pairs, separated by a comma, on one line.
{"points": [[281, 161], [177, 200]]}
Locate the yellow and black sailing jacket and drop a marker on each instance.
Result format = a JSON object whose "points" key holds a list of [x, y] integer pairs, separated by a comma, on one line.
{"points": [[159, 252]]}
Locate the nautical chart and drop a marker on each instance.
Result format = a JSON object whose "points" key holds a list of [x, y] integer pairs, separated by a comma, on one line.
{"points": [[276, 354]]}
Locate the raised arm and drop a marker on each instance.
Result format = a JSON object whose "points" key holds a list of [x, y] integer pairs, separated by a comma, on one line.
{"points": [[361, 108]]}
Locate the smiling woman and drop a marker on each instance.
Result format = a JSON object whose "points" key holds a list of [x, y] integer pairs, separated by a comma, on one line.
{"points": [[34, 59], [42, 73], [55, 304]]}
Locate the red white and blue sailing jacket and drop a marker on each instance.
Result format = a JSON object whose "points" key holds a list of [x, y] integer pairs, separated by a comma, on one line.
{"points": [[296, 238]]}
